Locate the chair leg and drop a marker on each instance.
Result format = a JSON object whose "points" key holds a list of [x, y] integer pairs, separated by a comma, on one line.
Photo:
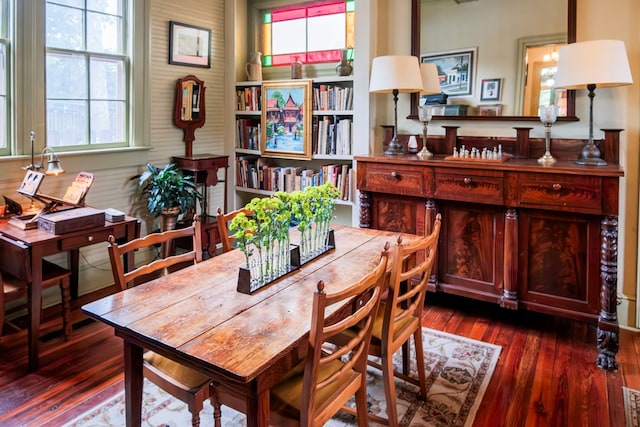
{"points": [[361, 403], [389, 388], [66, 309], [422, 376]]}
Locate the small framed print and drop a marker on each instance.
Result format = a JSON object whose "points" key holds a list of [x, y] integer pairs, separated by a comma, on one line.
{"points": [[456, 70], [189, 45], [286, 119], [490, 89]]}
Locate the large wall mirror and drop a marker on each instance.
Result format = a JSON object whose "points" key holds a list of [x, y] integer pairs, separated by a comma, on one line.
{"points": [[508, 51]]}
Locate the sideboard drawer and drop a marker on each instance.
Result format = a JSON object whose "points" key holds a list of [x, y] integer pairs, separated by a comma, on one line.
{"points": [[579, 193], [397, 179], [469, 187]]}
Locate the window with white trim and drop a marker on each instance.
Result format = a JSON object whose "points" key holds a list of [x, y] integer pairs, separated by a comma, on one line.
{"points": [[4, 77], [87, 73]]}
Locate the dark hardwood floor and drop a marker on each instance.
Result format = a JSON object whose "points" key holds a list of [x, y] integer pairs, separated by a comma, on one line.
{"points": [[546, 374]]}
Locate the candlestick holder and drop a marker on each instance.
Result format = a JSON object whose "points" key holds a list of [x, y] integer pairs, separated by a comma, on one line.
{"points": [[548, 115], [425, 114]]}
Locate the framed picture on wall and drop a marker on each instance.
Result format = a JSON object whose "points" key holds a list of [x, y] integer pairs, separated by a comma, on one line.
{"points": [[456, 70], [286, 119], [490, 89], [189, 45]]}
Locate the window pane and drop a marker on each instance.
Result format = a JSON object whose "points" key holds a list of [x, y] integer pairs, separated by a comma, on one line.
{"points": [[107, 121], [74, 3], [66, 76], [105, 33], [107, 79], [66, 123], [65, 27], [289, 36], [113, 7], [326, 32]]}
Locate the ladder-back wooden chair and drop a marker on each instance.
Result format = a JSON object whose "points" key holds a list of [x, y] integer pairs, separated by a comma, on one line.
{"points": [[400, 314], [223, 227], [15, 268], [184, 383], [320, 386]]}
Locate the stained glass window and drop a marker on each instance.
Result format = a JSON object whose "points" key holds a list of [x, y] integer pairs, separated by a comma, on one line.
{"points": [[314, 33]]}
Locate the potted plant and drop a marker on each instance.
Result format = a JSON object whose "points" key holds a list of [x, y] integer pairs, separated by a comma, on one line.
{"points": [[169, 193]]}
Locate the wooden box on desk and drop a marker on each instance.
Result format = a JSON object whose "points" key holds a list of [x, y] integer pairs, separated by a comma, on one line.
{"points": [[69, 220]]}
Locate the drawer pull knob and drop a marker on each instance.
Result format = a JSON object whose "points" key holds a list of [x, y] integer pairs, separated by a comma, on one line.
{"points": [[556, 187], [395, 174], [90, 238], [467, 180]]}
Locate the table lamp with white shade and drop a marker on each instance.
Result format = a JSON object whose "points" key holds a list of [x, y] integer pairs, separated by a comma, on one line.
{"points": [[588, 65], [431, 86], [395, 74]]}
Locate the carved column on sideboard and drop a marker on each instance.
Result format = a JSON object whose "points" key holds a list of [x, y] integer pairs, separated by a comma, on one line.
{"points": [[365, 212], [509, 297], [608, 327], [450, 138]]}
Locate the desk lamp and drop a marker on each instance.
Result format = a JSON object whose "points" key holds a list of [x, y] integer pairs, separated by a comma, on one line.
{"points": [[431, 86], [591, 64], [53, 164], [395, 74]]}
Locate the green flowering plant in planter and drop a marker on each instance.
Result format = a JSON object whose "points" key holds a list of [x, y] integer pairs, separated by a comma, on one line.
{"points": [[313, 211], [263, 236]]}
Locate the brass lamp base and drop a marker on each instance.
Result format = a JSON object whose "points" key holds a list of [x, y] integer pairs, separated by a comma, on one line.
{"points": [[590, 156]]}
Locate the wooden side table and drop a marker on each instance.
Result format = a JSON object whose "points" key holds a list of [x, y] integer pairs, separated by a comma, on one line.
{"points": [[204, 168]]}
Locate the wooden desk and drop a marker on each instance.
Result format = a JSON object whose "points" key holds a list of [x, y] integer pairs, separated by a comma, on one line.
{"points": [[246, 342], [41, 244]]}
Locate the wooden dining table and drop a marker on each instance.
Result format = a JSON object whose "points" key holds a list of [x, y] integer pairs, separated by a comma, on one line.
{"points": [[196, 317]]}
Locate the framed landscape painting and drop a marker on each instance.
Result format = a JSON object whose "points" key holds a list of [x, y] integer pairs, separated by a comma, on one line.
{"points": [[456, 70], [286, 119]]}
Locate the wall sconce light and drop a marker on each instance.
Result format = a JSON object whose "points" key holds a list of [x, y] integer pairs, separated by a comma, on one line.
{"points": [[53, 164]]}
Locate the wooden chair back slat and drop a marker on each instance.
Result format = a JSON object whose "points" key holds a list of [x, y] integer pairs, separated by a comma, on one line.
{"points": [[124, 280]]}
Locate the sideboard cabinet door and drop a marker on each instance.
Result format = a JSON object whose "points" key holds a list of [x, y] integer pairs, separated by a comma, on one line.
{"points": [[470, 251], [561, 265]]}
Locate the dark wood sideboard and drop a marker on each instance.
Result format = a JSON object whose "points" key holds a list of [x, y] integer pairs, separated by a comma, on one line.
{"points": [[514, 232]]}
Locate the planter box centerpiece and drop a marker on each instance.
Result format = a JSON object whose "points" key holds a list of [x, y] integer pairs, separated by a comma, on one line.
{"points": [[265, 239]]}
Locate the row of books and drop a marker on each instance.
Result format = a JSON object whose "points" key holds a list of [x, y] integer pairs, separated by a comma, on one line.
{"points": [[190, 108], [258, 173], [248, 99], [332, 98], [325, 98], [331, 135], [248, 133]]}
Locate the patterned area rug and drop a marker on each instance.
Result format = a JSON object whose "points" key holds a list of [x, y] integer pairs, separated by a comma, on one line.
{"points": [[631, 406], [458, 372]]}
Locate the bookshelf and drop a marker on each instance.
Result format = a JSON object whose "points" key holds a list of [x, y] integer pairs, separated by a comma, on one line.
{"points": [[332, 146]]}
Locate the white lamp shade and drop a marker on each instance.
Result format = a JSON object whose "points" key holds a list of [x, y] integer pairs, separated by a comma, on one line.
{"points": [[600, 62], [395, 72], [430, 79]]}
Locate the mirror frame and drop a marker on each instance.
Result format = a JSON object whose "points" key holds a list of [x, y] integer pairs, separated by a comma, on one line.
{"points": [[415, 50]]}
